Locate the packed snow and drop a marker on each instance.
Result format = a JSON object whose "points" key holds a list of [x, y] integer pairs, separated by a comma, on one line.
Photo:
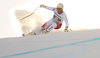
{"points": [[73, 44]]}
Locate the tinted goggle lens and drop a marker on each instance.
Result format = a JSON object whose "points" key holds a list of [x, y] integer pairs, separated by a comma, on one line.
{"points": [[59, 8]]}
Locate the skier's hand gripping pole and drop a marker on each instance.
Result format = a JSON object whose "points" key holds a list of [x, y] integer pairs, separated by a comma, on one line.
{"points": [[29, 14], [43, 6], [66, 29]]}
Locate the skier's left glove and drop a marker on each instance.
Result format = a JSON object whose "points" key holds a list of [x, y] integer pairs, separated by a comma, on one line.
{"points": [[66, 29], [42, 6]]}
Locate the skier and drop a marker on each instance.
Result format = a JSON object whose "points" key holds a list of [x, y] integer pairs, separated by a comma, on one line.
{"points": [[56, 21]]}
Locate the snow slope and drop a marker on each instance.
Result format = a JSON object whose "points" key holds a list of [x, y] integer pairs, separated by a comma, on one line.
{"points": [[75, 44]]}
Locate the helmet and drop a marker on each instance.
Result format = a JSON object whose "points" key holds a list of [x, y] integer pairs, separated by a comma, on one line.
{"points": [[60, 5]]}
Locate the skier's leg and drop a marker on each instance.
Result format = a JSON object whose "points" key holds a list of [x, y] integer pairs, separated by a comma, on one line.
{"points": [[47, 24], [51, 27], [58, 26], [43, 27], [54, 25]]}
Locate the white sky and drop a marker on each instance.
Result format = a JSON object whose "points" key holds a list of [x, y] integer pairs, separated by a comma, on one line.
{"points": [[82, 14]]}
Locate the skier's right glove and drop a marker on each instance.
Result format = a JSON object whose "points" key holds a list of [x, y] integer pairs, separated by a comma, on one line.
{"points": [[42, 6], [66, 29]]}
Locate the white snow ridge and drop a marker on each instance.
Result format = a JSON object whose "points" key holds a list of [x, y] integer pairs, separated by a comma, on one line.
{"points": [[75, 44]]}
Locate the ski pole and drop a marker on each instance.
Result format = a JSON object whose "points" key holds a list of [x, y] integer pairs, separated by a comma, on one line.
{"points": [[29, 14]]}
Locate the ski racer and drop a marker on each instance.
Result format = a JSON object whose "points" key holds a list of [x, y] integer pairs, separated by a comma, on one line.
{"points": [[56, 21]]}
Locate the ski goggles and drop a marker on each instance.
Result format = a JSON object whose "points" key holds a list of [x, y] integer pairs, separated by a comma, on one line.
{"points": [[59, 8]]}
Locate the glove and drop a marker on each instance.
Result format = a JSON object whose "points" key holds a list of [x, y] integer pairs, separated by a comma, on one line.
{"points": [[42, 6], [66, 30]]}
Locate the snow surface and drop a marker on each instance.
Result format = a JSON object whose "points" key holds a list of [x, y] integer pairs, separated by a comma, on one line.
{"points": [[75, 44]]}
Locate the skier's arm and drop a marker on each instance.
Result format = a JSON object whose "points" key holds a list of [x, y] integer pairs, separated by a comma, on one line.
{"points": [[66, 22], [47, 7]]}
